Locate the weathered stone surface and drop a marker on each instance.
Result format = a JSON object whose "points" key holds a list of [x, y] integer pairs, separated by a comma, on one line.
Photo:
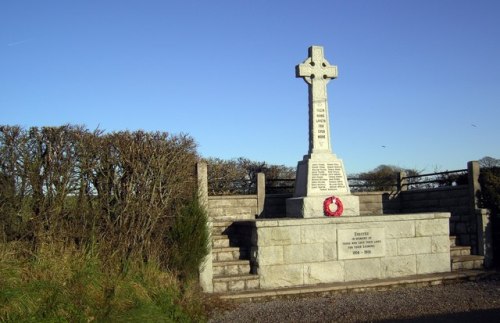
{"points": [[302, 253], [231, 270], [391, 247], [398, 266], [330, 251], [377, 220], [433, 263], [318, 233], [225, 256], [440, 244], [432, 227], [323, 272], [281, 276], [220, 287], [236, 285], [413, 246], [362, 269], [231, 201], [252, 283], [271, 255], [400, 229], [279, 236]]}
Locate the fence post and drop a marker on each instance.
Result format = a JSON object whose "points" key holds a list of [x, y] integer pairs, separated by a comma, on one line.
{"points": [[473, 170], [481, 216], [202, 176], [206, 274], [261, 193], [402, 182]]}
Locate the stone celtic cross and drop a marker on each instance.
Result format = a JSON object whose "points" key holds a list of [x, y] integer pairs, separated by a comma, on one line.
{"points": [[317, 72]]}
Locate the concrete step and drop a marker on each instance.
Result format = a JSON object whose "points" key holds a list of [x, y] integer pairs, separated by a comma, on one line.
{"points": [[467, 262], [453, 241], [233, 267], [459, 251], [358, 286], [220, 241], [235, 283], [219, 227], [230, 253]]}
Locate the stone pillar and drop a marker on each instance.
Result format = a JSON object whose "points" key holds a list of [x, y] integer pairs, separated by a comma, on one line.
{"points": [[206, 271], [202, 174], [402, 182], [261, 194], [481, 216], [473, 170], [484, 236]]}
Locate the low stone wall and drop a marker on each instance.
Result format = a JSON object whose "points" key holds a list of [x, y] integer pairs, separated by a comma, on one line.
{"points": [[275, 205], [231, 208], [373, 203], [456, 200], [294, 252]]}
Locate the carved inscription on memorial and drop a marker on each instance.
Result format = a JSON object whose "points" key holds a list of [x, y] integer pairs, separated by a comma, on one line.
{"points": [[327, 176], [320, 121], [361, 243]]}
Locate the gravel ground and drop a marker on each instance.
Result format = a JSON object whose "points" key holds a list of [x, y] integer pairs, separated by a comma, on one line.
{"points": [[463, 302]]}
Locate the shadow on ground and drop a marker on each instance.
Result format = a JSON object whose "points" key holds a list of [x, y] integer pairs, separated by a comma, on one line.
{"points": [[490, 315]]}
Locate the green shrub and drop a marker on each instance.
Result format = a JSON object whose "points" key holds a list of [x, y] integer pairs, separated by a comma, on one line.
{"points": [[188, 240], [490, 188], [489, 179]]}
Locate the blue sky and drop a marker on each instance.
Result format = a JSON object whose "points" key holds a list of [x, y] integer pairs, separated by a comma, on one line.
{"points": [[421, 78]]}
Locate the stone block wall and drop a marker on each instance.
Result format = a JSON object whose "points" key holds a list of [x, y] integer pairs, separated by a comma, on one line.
{"points": [[373, 203], [231, 208], [275, 205], [294, 252], [456, 200]]}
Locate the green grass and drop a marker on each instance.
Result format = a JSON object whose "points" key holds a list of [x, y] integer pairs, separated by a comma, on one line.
{"points": [[68, 285]]}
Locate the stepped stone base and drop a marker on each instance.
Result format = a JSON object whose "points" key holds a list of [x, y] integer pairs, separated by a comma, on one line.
{"points": [[312, 206], [359, 286], [231, 267], [467, 262], [461, 259], [294, 252], [236, 283]]}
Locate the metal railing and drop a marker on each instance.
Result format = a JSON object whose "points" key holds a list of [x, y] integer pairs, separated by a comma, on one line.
{"points": [[280, 185], [357, 184], [435, 180], [231, 187]]}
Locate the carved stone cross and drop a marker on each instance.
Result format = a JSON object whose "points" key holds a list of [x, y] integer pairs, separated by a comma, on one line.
{"points": [[317, 72]]}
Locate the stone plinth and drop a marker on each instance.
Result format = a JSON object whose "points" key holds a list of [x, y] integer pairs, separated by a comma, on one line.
{"points": [[296, 252], [312, 206]]}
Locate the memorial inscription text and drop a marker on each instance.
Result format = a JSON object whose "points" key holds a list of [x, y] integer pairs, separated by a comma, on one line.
{"points": [[361, 243], [327, 176]]}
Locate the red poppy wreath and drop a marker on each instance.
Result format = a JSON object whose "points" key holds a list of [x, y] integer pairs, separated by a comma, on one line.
{"points": [[333, 200]]}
